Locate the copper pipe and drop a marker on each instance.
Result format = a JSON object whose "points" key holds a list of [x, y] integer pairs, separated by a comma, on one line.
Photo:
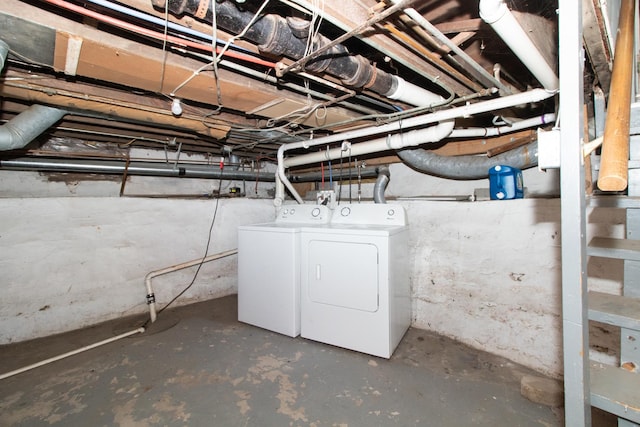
{"points": [[614, 162]]}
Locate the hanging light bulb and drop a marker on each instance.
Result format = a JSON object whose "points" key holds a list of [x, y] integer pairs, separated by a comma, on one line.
{"points": [[176, 107]]}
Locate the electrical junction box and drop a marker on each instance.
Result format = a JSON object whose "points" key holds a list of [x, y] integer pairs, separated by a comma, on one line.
{"points": [[548, 149]]}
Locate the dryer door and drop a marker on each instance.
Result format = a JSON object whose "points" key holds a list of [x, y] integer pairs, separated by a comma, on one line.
{"points": [[343, 274]]}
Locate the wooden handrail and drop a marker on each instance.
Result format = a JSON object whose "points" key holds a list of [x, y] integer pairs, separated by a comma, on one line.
{"points": [[614, 161]]}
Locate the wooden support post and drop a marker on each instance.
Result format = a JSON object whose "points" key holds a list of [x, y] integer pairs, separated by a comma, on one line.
{"points": [[615, 147]]}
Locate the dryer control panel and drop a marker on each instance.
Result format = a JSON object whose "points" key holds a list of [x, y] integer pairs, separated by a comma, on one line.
{"points": [[371, 214], [303, 214]]}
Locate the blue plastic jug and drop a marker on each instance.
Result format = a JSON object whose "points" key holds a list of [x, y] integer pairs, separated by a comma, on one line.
{"points": [[505, 183]]}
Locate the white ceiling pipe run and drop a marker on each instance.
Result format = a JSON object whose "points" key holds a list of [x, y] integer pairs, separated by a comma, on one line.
{"points": [[390, 142], [413, 94], [416, 137], [475, 68], [534, 95], [497, 14], [542, 120]]}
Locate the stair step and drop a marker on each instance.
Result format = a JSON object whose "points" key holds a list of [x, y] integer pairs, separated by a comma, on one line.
{"points": [[607, 247], [623, 202], [616, 390], [615, 310]]}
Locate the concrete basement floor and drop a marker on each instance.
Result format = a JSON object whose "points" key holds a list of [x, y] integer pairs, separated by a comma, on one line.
{"points": [[198, 366]]}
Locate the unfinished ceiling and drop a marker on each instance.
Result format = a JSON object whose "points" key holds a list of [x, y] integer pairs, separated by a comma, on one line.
{"points": [[141, 73]]}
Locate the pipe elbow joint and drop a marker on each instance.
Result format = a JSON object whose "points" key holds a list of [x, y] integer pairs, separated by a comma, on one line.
{"points": [[492, 10]]}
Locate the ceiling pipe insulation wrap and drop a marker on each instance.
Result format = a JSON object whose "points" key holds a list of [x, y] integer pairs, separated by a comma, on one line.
{"points": [[276, 35]]}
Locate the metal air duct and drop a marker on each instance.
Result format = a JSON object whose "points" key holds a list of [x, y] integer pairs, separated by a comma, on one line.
{"points": [[27, 126]]}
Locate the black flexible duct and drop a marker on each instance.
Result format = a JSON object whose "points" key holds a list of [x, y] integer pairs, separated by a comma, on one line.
{"points": [[468, 167], [278, 36]]}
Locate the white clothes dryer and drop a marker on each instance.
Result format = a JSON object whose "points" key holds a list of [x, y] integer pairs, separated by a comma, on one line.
{"points": [[355, 290], [269, 268]]}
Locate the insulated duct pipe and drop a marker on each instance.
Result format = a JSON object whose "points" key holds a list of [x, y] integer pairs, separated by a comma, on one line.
{"points": [[499, 17], [381, 184], [468, 167], [27, 126], [280, 36], [4, 51]]}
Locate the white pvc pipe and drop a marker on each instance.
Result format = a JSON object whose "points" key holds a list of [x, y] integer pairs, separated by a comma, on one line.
{"points": [[417, 137], [71, 353], [151, 299], [542, 120], [413, 94], [534, 95], [497, 14], [390, 142]]}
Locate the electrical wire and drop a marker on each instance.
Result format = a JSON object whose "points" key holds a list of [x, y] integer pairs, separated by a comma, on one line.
{"points": [[206, 251]]}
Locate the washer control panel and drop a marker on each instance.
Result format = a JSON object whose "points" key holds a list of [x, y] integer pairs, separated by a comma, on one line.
{"points": [[371, 214], [303, 214]]}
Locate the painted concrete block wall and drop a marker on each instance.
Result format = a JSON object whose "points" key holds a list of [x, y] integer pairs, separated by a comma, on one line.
{"points": [[71, 262], [489, 274], [485, 273]]}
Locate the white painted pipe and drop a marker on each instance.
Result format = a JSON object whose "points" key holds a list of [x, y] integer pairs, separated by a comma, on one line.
{"points": [[542, 120], [413, 94], [151, 299], [416, 137], [390, 142], [534, 95], [71, 353], [499, 17]]}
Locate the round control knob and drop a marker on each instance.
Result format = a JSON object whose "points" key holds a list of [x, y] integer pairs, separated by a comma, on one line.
{"points": [[391, 212], [345, 211], [286, 211], [315, 212], [292, 211]]}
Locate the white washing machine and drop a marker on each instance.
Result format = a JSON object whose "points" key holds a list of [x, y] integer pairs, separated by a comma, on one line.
{"points": [[355, 290], [269, 268]]}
